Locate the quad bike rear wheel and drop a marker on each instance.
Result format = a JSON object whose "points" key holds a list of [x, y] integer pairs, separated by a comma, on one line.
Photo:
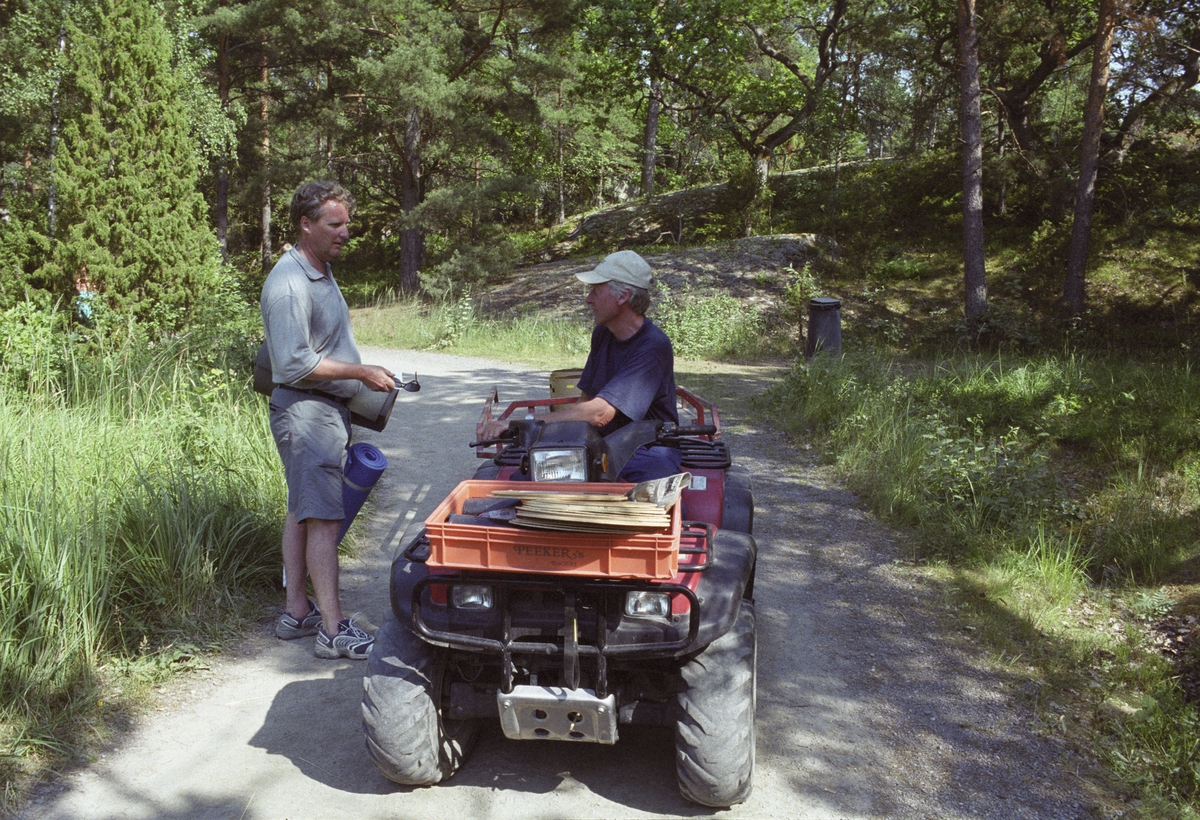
{"points": [[714, 730], [408, 737]]}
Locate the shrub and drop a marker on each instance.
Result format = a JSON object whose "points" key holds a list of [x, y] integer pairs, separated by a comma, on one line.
{"points": [[710, 327], [33, 344]]}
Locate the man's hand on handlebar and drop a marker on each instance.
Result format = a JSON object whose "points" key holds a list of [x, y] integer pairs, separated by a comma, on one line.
{"points": [[494, 429]]}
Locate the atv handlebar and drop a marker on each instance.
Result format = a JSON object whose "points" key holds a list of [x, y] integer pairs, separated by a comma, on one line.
{"points": [[694, 430], [668, 433], [705, 422]]}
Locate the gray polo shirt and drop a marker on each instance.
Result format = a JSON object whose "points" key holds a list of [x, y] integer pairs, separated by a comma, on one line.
{"points": [[306, 319]]}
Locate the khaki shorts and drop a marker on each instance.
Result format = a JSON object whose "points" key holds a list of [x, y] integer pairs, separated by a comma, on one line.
{"points": [[312, 435]]}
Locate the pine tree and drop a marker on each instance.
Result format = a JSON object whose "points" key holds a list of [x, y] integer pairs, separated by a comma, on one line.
{"points": [[132, 218]]}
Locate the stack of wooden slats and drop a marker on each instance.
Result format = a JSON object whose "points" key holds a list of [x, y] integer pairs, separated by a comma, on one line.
{"points": [[586, 512]]}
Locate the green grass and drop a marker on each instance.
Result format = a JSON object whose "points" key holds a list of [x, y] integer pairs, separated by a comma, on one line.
{"points": [[699, 328], [458, 327], [140, 503], [1058, 488]]}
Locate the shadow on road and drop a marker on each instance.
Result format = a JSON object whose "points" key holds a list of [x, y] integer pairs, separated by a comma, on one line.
{"points": [[637, 772], [317, 725]]}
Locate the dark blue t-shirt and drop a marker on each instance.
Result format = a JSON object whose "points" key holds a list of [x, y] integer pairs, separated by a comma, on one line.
{"points": [[636, 376]]}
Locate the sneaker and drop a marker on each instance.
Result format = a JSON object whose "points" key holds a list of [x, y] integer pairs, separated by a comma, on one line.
{"points": [[288, 628], [350, 642]]}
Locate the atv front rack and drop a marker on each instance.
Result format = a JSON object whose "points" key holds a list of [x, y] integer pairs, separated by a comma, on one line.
{"points": [[576, 594]]}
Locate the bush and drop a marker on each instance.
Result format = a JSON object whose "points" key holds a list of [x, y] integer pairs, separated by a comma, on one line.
{"points": [[468, 265], [709, 327], [34, 342]]}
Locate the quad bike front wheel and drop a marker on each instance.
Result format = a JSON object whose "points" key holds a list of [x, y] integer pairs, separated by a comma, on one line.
{"points": [[408, 737], [714, 730], [737, 509]]}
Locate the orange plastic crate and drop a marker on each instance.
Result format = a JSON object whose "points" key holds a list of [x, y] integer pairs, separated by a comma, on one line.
{"points": [[519, 549]]}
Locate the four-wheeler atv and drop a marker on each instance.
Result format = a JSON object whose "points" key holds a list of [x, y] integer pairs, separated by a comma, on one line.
{"points": [[559, 646]]}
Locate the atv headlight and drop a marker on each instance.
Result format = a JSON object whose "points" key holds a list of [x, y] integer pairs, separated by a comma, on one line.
{"points": [[559, 465], [471, 596], [648, 604]]}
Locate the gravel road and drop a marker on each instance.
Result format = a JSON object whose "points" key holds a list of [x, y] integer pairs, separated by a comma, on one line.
{"points": [[872, 703]]}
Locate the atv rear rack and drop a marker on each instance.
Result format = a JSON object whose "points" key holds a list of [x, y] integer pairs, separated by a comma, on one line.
{"points": [[419, 550]]}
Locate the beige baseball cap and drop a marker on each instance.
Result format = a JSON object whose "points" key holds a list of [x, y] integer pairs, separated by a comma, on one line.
{"points": [[622, 266]]}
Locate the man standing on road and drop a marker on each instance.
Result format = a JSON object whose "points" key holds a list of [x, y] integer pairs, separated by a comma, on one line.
{"points": [[318, 369], [630, 369]]}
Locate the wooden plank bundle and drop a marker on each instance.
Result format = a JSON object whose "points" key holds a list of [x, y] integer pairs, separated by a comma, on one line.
{"points": [[585, 512]]}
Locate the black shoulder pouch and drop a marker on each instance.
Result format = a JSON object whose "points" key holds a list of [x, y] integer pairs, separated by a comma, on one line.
{"points": [[263, 382]]}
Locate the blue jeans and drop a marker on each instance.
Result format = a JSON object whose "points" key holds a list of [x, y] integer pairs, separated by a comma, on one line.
{"points": [[651, 462]]}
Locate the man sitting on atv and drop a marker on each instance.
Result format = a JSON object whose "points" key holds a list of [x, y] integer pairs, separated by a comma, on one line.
{"points": [[630, 370]]}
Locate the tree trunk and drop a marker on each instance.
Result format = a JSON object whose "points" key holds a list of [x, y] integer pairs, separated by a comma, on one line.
{"points": [[1085, 197], [974, 278], [264, 110], [561, 216], [754, 200], [651, 140], [412, 239], [52, 197], [474, 211], [1001, 151], [221, 206]]}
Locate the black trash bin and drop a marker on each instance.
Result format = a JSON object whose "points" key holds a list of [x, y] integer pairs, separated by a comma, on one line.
{"points": [[824, 326]]}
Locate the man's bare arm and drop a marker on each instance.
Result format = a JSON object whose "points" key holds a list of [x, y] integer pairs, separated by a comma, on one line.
{"points": [[596, 412], [377, 378]]}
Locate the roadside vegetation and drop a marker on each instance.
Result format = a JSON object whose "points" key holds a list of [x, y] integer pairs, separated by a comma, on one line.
{"points": [[139, 526], [1061, 495]]}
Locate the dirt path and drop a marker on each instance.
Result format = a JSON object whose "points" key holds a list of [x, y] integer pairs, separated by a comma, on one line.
{"points": [[868, 707]]}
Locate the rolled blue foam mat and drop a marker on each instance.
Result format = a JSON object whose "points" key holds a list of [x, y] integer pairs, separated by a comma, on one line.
{"points": [[365, 463]]}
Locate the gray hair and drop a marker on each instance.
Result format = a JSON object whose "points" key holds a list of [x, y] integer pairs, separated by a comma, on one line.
{"points": [[639, 298], [310, 199]]}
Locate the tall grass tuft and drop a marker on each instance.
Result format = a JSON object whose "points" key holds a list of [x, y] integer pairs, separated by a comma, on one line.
{"points": [[973, 446], [140, 504], [1049, 572]]}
